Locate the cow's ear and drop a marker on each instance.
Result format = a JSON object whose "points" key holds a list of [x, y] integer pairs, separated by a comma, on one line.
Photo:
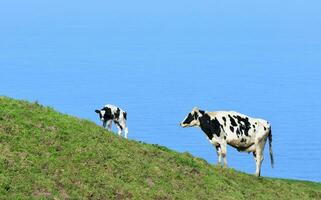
{"points": [[97, 111], [196, 109]]}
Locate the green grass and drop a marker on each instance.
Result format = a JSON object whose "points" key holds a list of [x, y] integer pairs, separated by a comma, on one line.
{"points": [[48, 155]]}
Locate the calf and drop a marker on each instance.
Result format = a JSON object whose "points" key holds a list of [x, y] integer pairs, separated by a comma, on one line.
{"points": [[238, 130], [109, 114]]}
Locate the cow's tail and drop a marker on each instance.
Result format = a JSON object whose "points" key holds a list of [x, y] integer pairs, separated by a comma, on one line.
{"points": [[270, 147]]}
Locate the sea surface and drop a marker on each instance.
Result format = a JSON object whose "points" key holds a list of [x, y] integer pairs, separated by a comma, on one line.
{"points": [[159, 60]]}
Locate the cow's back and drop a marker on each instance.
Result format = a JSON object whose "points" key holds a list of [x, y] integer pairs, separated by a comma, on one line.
{"points": [[117, 112]]}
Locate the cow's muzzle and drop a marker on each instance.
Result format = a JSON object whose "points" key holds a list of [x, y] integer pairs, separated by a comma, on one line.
{"points": [[183, 125]]}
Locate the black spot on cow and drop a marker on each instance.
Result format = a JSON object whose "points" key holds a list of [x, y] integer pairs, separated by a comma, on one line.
{"points": [[117, 123], [244, 124], [210, 126], [125, 115], [238, 132], [189, 119], [108, 114], [232, 128], [202, 112], [224, 119], [117, 114], [232, 121], [253, 125], [216, 126], [222, 128], [224, 137], [264, 128], [195, 115]]}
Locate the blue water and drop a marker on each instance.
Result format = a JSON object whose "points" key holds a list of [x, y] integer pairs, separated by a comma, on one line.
{"points": [[159, 60]]}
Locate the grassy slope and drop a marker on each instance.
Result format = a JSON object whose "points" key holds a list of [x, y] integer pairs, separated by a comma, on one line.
{"points": [[45, 154]]}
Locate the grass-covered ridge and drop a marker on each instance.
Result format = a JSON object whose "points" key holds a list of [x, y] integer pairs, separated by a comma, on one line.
{"points": [[46, 154]]}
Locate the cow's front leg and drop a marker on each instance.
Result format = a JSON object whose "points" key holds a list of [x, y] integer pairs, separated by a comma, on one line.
{"points": [[224, 152], [219, 154], [109, 124]]}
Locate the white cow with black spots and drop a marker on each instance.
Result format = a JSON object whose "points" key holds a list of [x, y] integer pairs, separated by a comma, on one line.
{"points": [[109, 114], [239, 131]]}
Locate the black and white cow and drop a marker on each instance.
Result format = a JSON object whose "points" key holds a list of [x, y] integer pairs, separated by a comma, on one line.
{"points": [[238, 130], [109, 114]]}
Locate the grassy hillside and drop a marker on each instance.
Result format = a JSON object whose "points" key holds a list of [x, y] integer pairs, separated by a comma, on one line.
{"points": [[48, 155]]}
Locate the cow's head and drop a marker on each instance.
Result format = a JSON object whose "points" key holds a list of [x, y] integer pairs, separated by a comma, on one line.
{"points": [[192, 119], [105, 114]]}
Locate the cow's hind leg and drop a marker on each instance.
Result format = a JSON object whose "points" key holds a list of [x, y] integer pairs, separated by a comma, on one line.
{"points": [[258, 156], [120, 128], [126, 132], [125, 128]]}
